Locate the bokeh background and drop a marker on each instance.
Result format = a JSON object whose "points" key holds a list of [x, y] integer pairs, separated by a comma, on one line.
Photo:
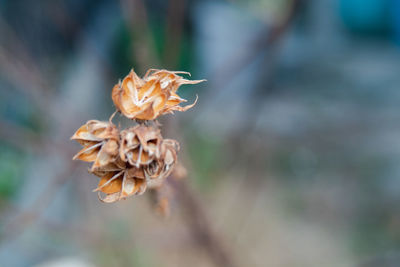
{"points": [[292, 151]]}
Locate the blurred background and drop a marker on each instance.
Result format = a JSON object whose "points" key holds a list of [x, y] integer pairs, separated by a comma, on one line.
{"points": [[292, 151]]}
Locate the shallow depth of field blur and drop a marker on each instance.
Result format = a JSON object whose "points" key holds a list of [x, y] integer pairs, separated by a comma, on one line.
{"points": [[292, 151]]}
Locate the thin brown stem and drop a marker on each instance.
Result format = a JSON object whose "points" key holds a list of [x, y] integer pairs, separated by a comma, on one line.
{"points": [[174, 31], [199, 225]]}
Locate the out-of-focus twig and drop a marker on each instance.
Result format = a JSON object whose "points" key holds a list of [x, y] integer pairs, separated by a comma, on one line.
{"points": [[25, 218], [26, 139], [266, 41], [18, 136], [197, 220], [174, 31], [143, 47], [20, 65]]}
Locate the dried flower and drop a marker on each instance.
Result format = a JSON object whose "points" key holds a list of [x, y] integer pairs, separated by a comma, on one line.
{"points": [[100, 143], [152, 96], [144, 160], [137, 158]]}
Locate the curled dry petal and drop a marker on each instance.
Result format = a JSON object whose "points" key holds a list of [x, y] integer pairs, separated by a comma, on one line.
{"points": [[117, 185], [152, 96], [100, 143]]}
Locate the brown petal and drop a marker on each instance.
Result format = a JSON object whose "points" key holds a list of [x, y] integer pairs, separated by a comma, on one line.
{"points": [[84, 134], [149, 89], [95, 130], [136, 172], [147, 113], [107, 154], [179, 108], [134, 157], [88, 154], [132, 186], [109, 198], [110, 183]]}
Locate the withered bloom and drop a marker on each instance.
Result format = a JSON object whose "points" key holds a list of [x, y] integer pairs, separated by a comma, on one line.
{"points": [[145, 159], [144, 148], [100, 143], [140, 145], [152, 96], [137, 158]]}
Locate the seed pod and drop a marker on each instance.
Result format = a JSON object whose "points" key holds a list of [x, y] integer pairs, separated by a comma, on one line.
{"points": [[140, 145], [162, 167], [152, 96]]}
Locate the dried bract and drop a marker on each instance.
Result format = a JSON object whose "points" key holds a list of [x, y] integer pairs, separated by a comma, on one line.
{"points": [[117, 185], [152, 96], [100, 143]]}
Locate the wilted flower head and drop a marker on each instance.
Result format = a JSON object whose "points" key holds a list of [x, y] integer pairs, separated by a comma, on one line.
{"points": [[152, 96], [127, 162], [144, 148], [137, 158]]}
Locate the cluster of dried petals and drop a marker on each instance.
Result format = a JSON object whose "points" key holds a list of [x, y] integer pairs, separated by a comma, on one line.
{"points": [[127, 162], [130, 161], [151, 96]]}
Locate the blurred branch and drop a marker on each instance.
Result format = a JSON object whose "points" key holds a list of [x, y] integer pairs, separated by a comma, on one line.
{"points": [[174, 31], [199, 225], [27, 217], [136, 16], [20, 65], [25, 139], [18, 136], [266, 41]]}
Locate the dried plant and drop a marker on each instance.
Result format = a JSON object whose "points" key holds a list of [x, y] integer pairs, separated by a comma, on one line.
{"points": [[152, 96], [134, 159]]}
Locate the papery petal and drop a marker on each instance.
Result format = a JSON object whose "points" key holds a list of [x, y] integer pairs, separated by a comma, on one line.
{"points": [[83, 134], [88, 154], [179, 108], [113, 186], [106, 155], [111, 198], [129, 187], [136, 172]]}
